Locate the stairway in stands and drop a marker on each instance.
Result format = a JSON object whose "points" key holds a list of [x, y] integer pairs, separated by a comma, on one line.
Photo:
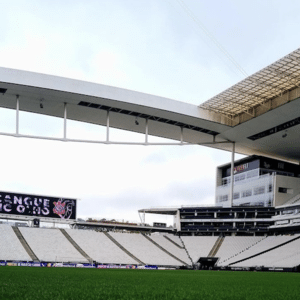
{"points": [[165, 250], [170, 240], [186, 250], [25, 244], [124, 249], [214, 250], [76, 246]]}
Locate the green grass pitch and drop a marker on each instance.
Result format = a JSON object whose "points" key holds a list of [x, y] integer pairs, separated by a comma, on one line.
{"points": [[70, 283]]}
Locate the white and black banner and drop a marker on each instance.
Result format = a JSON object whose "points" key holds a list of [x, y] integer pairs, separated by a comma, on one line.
{"points": [[37, 206]]}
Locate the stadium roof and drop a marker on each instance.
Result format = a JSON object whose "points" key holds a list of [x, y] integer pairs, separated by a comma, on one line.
{"points": [[90, 102], [258, 89], [261, 114]]}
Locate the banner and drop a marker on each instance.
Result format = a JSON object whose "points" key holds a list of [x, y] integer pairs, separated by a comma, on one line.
{"points": [[37, 206], [72, 265]]}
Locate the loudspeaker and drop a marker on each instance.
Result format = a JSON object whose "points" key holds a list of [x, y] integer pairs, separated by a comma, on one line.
{"points": [[36, 222]]}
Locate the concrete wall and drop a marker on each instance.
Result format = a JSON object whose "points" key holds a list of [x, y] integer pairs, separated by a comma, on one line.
{"points": [[292, 184]]}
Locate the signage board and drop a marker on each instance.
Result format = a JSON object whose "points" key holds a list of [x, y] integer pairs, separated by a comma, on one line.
{"points": [[37, 206]]}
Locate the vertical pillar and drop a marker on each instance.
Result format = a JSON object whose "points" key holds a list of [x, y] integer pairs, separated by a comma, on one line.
{"points": [[181, 134], [17, 114], [232, 175], [107, 126], [142, 217], [65, 120], [274, 184]]}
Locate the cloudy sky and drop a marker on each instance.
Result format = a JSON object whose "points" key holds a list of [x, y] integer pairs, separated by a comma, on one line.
{"points": [[172, 48]]}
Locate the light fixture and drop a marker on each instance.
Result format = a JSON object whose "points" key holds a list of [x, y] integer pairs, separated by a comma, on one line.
{"points": [[3, 91], [41, 103], [136, 121]]}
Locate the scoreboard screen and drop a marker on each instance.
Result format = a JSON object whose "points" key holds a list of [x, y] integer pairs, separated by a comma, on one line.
{"points": [[37, 206]]}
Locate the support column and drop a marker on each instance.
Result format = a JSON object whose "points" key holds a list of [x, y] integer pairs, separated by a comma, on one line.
{"points": [[107, 126], [65, 120], [181, 135], [232, 175], [17, 114], [142, 217]]}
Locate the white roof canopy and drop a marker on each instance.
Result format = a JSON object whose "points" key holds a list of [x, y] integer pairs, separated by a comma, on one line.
{"points": [[257, 89]]}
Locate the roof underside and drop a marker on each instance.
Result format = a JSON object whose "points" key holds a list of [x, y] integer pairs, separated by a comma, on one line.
{"points": [[267, 105], [90, 103], [256, 90], [160, 210]]}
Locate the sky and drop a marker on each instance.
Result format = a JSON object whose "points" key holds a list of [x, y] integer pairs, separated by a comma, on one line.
{"points": [[176, 49]]}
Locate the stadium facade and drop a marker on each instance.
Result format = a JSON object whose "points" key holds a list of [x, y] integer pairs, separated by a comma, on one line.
{"points": [[265, 200]]}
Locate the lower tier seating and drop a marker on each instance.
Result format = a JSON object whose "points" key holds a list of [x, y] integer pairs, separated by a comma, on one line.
{"points": [[51, 245]]}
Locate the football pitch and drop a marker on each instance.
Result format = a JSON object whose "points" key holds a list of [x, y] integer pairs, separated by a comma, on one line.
{"points": [[75, 283]]}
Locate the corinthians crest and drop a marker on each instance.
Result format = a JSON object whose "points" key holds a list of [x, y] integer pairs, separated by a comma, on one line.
{"points": [[64, 208]]}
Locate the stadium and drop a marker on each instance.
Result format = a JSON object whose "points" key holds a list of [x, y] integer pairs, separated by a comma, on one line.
{"points": [[255, 222]]}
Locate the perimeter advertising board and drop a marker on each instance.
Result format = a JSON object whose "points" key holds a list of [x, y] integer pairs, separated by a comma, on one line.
{"points": [[37, 206]]}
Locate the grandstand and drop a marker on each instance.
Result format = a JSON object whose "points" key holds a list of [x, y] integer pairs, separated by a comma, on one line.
{"points": [[48, 245], [255, 221]]}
